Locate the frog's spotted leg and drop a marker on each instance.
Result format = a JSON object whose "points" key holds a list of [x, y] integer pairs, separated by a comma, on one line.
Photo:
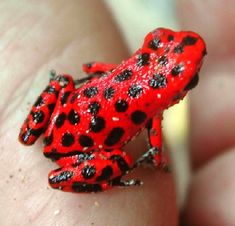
{"points": [[92, 172], [39, 116], [154, 155]]}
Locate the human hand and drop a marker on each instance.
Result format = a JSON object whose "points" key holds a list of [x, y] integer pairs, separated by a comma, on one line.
{"points": [[211, 195], [37, 37], [54, 35]]}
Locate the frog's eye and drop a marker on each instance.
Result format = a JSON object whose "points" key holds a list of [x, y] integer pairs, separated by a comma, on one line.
{"points": [[192, 83]]}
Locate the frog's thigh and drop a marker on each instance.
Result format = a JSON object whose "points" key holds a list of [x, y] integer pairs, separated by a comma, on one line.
{"points": [[90, 175]]}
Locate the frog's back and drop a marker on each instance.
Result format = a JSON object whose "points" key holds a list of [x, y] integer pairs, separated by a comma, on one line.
{"points": [[107, 112], [103, 113]]}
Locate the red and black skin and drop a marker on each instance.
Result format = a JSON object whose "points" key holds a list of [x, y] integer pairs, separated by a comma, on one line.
{"points": [[85, 128]]}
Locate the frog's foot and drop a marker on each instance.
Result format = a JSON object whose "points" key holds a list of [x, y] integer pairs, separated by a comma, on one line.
{"points": [[155, 158], [99, 171], [124, 183]]}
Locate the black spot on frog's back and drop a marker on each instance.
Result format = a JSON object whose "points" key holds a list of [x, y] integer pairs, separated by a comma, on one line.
{"points": [[124, 75], [114, 136]]}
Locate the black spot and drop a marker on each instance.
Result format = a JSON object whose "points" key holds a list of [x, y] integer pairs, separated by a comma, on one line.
{"points": [[81, 157], [143, 59], [90, 91], [54, 155], [51, 107], [73, 117], [94, 108], [179, 49], [158, 81], [74, 97], [170, 38], [36, 132], [83, 187], [51, 89], [138, 117], [64, 98], [204, 52], [60, 120], [121, 106], [189, 40], [162, 60], [63, 176], [26, 135], [39, 102], [123, 76], [106, 173], [85, 141], [67, 139], [135, 91], [177, 69], [192, 83], [114, 136], [154, 44], [108, 93], [38, 116], [108, 150], [97, 124], [89, 65], [48, 140], [88, 172], [123, 166]]}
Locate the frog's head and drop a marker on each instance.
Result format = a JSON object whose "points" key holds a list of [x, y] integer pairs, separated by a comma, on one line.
{"points": [[177, 56]]}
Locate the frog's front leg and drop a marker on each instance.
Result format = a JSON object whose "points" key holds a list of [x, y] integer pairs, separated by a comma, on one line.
{"points": [[40, 113], [92, 172], [94, 70], [98, 68], [154, 155]]}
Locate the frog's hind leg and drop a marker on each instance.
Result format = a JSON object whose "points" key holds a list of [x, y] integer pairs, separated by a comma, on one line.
{"points": [[98, 171]]}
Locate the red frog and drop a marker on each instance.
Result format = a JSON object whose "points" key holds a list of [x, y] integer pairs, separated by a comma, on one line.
{"points": [[86, 122]]}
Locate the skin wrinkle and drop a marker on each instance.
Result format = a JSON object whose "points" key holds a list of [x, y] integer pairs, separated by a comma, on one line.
{"points": [[51, 54], [55, 54]]}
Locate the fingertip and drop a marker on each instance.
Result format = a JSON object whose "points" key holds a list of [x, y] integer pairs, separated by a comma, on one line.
{"points": [[210, 199]]}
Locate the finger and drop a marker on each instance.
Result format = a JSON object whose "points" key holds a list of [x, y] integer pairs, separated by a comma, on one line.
{"points": [[63, 36], [212, 20], [212, 103], [211, 194]]}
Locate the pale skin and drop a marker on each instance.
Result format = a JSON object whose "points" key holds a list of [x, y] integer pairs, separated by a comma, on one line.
{"points": [[211, 196], [36, 37]]}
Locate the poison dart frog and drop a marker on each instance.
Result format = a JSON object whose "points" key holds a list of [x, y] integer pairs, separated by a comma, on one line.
{"points": [[86, 122]]}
